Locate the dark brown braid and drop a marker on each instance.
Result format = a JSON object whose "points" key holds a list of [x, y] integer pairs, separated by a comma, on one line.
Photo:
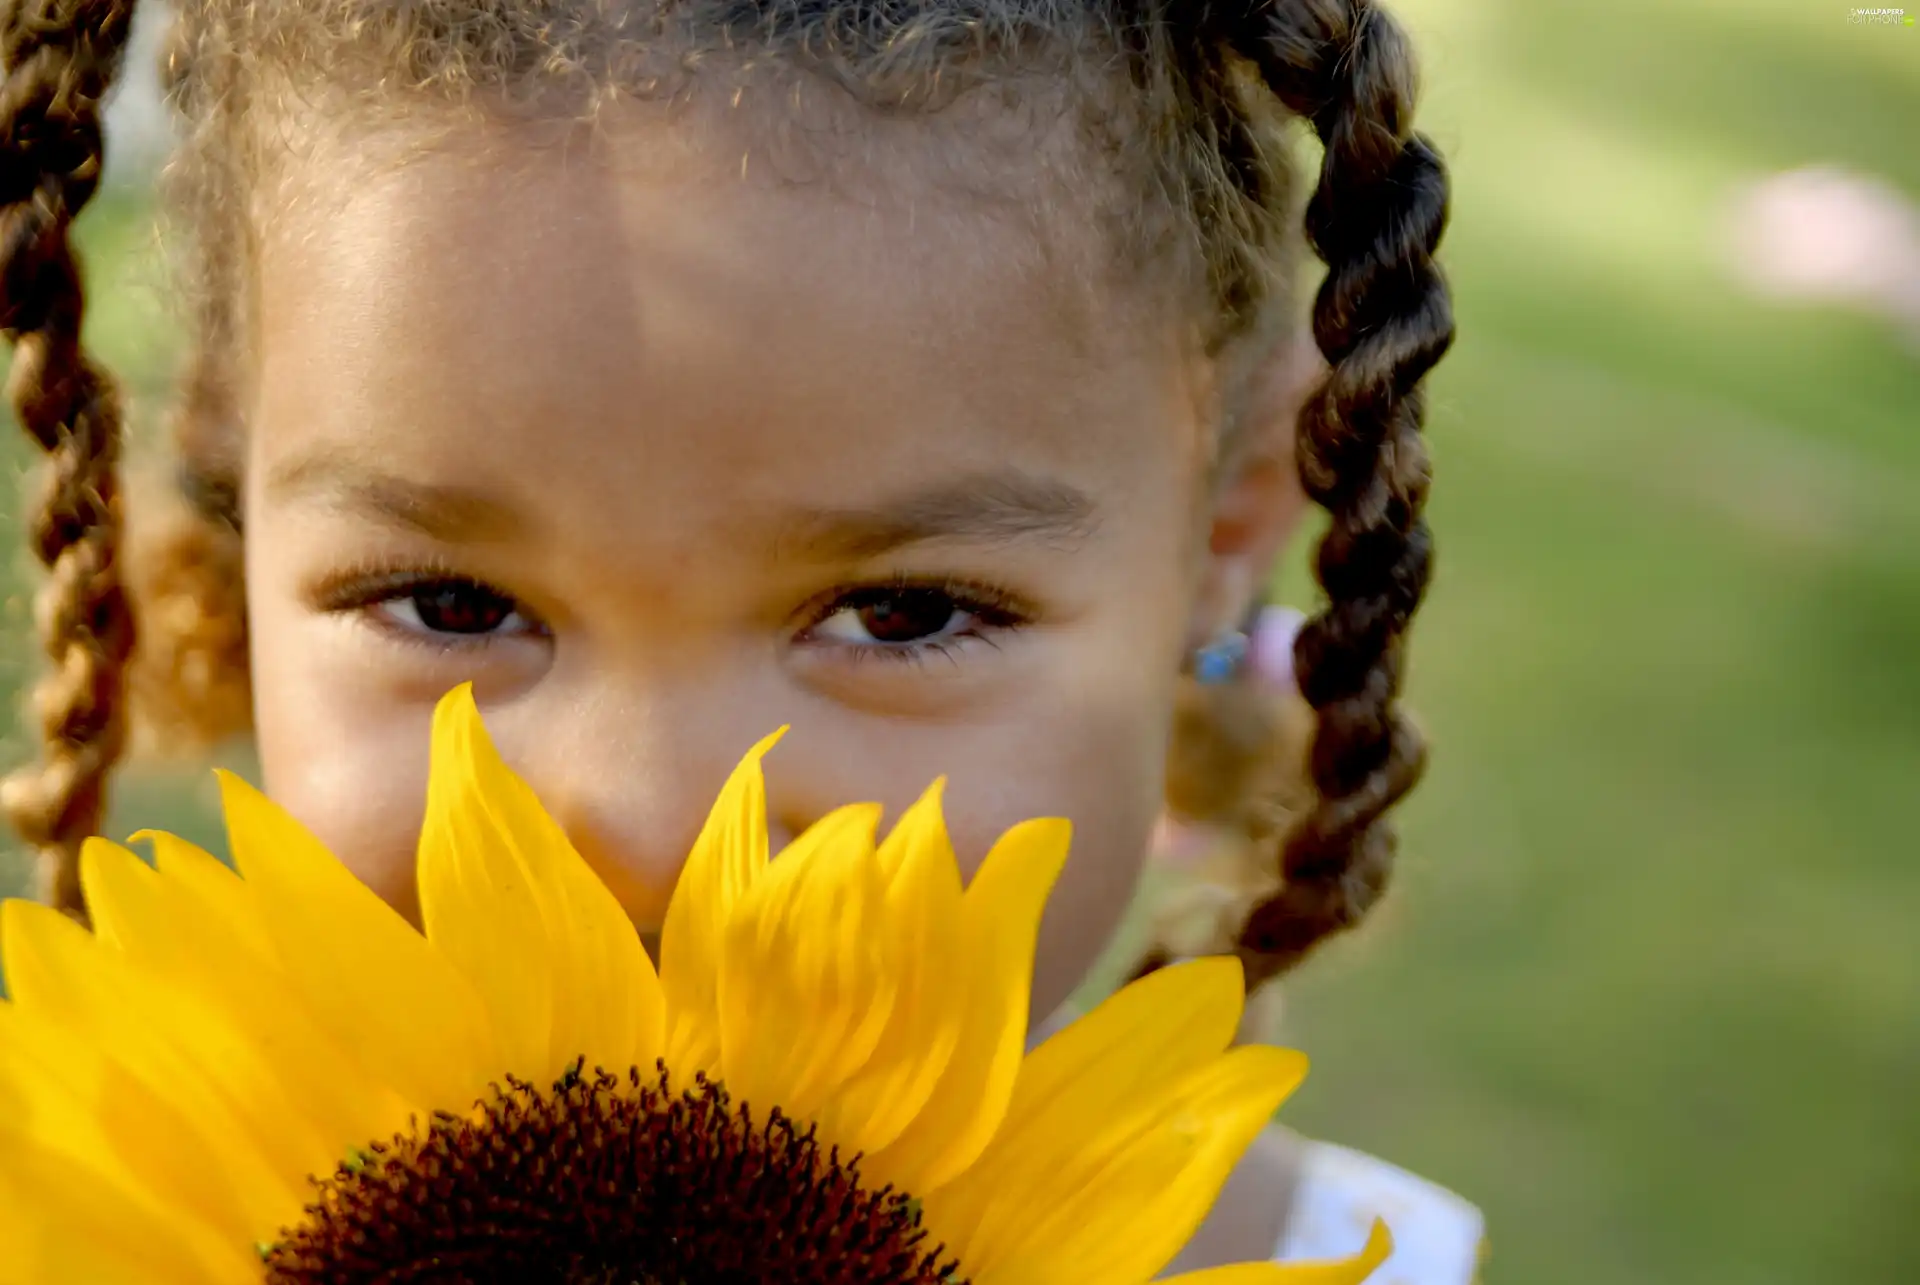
{"points": [[60, 57], [1382, 318]]}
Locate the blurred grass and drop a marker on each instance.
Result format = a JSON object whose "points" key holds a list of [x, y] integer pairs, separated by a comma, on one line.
{"points": [[1648, 988]]}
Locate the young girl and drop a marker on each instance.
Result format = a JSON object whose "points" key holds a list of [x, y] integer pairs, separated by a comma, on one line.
{"points": [[918, 374]]}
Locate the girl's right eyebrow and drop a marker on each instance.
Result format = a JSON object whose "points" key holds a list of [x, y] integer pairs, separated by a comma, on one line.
{"points": [[978, 508]]}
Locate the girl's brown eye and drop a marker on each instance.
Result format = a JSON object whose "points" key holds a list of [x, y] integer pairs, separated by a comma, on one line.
{"points": [[453, 607], [908, 621], [902, 615]]}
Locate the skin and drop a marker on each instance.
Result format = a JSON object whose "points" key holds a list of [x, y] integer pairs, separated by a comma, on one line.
{"points": [[688, 426]]}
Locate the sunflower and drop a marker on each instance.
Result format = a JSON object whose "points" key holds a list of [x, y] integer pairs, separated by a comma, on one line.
{"points": [[270, 1076]]}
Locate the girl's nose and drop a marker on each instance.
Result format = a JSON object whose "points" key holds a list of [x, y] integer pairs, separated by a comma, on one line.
{"points": [[637, 836], [634, 804], [640, 873]]}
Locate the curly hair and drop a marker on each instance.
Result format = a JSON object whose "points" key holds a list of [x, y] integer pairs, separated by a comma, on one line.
{"points": [[1182, 109]]}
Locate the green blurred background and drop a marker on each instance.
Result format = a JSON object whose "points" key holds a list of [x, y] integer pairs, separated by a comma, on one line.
{"points": [[1648, 989]]}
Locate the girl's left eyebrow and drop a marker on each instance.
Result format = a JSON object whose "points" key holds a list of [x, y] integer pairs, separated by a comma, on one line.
{"points": [[980, 508], [450, 514]]}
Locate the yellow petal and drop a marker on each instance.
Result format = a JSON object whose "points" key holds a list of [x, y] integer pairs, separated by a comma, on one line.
{"points": [[1342, 1271], [923, 909], [211, 884], [187, 1083], [1000, 923], [190, 925], [62, 1223], [479, 909], [803, 997], [61, 1095], [375, 985], [508, 899], [1117, 1206], [1127, 1051], [729, 855]]}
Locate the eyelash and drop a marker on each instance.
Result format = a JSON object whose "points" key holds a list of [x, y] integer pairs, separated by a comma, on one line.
{"points": [[992, 611], [362, 591]]}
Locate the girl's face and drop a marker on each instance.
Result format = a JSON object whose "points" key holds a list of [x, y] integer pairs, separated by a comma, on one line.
{"points": [[663, 459]]}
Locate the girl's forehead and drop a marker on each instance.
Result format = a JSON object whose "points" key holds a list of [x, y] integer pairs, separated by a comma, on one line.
{"points": [[610, 326]]}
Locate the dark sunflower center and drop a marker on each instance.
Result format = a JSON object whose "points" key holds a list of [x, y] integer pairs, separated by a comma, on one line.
{"points": [[603, 1181]]}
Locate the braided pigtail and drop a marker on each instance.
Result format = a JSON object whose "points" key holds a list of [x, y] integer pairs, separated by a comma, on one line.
{"points": [[60, 56], [1382, 319]]}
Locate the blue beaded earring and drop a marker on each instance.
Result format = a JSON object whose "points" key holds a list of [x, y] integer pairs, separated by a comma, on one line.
{"points": [[1220, 660]]}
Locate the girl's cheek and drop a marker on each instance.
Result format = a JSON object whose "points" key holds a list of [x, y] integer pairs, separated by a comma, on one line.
{"points": [[368, 819], [389, 870], [1104, 771], [357, 784]]}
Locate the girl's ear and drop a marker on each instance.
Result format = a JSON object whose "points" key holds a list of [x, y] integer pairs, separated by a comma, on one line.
{"points": [[1258, 502]]}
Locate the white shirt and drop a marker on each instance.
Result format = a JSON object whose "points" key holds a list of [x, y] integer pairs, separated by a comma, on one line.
{"points": [[1436, 1235]]}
